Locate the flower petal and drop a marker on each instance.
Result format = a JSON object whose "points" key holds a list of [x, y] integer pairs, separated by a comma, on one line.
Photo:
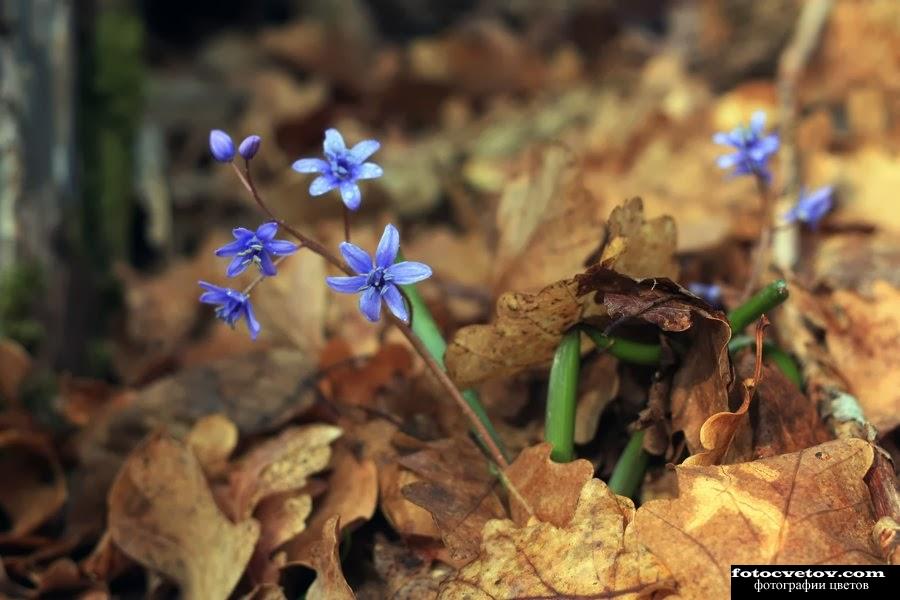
{"points": [[252, 323], [369, 170], [388, 247], [310, 165], [364, 150], [346, 285], [404, 273], [213, 294], [722, 138], [266, 232], [726, 161], [266, 265], [358, 259], [237, 266], [350, 195], [395, 302], [758, 122], [241, 233], [334, 142], [231, 248], [221, 146], [281, 247], [322, 185], [370, 304]]}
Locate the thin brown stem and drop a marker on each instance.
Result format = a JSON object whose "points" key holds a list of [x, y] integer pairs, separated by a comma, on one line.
{"points": [[308, 242], [417, 344], [761, 252], [261, 276], [346, 224], [451, 388]]}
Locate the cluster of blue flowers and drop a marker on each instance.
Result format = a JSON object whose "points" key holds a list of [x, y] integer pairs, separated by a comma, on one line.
{"points": [[376, 280], [752, 150]]}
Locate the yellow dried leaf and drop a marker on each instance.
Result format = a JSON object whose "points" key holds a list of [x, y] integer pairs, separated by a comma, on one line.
{"points": [[858, 337], [280, 464], [548, 223], [596, 555], [810, 507], [163, 515], [329, 583]]}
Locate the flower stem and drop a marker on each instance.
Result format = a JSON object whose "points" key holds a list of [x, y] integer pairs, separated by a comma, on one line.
{"points": [[427, 331], [247, 181], [762, 302], [256, 281], [633, 352], [346, 224], [478, 420], [559, 426], [629, 470], [761, 252]]}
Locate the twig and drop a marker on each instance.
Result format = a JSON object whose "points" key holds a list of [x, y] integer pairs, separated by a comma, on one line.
{"points": [[793, 60]]}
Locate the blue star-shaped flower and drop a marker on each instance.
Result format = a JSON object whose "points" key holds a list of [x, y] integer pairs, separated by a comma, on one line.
{"points": [[379, 280], [811, 207], [753, 148], [708, 291], [232, 306], [342, 169], [255, 248]]}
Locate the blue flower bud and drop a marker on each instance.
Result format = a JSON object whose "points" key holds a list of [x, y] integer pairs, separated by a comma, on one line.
{"points": [[221, 146], [249, 147]]}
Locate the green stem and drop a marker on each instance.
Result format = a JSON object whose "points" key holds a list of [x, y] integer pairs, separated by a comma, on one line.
{"points": [[633, 352], [629, 470], [762, 302], [424, 326], [779, 357], [559, 427]]}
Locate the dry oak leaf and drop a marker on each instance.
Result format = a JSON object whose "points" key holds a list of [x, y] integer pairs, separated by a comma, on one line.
{"points": [[701, 383], [329, 583], [352, 495], [406, 575], [34, 485], [548, 223], [810, 507], [785, 419], [213, 438], [859, 334], [640, 248], [596, 555], [163, 515], [528, 327], [281, 517], [525, 333], [457, 490], [280, 464], [544, 489]]}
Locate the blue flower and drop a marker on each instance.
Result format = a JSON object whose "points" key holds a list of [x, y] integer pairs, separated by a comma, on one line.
{"points": [[753, 148], [250, 146], [232, 306], [708, 291], [221, 146], [811, 207], [379, 281], [342, 168], [255, 248]]}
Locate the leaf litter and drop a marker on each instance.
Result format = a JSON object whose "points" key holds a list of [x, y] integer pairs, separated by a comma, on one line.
{"points": [[553, 181]]}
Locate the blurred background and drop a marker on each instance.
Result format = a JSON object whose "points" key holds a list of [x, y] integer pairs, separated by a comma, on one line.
{"points": [[110, 202], [509, 130]]}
